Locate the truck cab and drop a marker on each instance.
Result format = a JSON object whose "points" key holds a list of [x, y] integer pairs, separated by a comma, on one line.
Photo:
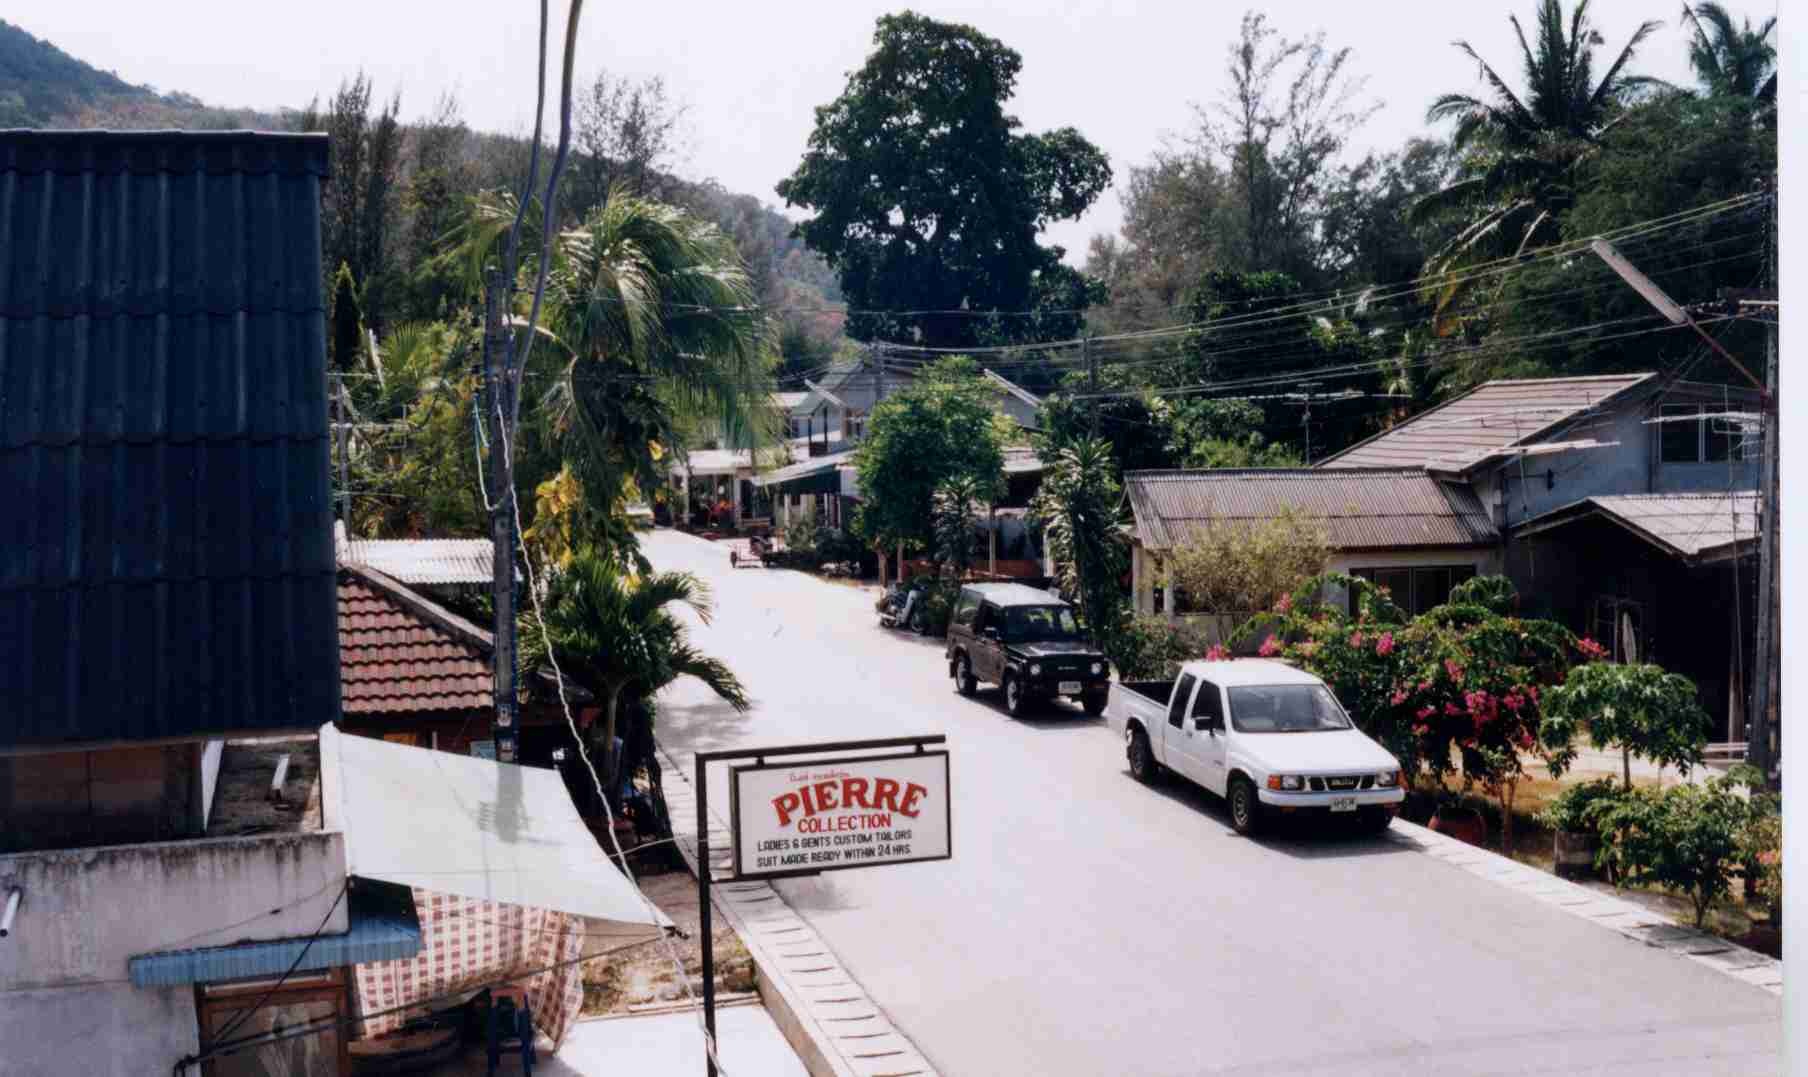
{"points": [[1027, 642], [1265, 736]]}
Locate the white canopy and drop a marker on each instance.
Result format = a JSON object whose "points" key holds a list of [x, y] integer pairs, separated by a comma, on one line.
{"points": [[470, 827]]}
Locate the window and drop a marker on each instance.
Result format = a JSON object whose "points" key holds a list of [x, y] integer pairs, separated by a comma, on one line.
{"points": [[1286, 708], [1029, 624], [1417, 588], [1703, 441], [1208, 709], [1178, 701], [967, 609]]}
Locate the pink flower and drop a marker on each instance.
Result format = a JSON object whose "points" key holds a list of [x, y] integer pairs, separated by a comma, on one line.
{"points": [[1217, 653], [1532, 690], [1284, 605], [1453, 710], [1525, 741], [1455, 671], [1591, 650], [1421, 730], [1513, 701], [1355, 639], [1398, 697], [1385, 645], [1427, 712], [1270, 647]]}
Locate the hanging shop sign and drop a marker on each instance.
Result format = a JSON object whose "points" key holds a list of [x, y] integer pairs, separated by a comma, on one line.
{"points": [[827, 815]]}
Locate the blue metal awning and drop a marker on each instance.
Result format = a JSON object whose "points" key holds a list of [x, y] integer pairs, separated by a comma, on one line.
{"points": [[383, 928]]}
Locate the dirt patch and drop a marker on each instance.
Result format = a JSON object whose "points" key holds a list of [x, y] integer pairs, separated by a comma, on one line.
{"points": [[642, 974]]}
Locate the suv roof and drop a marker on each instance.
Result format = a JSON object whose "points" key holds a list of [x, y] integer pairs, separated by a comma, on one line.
{"points": [[1014, 594]]}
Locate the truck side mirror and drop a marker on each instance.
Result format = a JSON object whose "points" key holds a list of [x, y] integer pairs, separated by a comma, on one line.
{"points": [[1212, 725]]}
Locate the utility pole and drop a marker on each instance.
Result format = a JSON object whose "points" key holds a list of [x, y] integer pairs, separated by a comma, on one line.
{"points": [[496, 405], [342, 444], [1092, 379], [1760, 743], [1306, 424]]}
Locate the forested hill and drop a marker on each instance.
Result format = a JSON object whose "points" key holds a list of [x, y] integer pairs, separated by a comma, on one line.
{"points": [[433, 162]]}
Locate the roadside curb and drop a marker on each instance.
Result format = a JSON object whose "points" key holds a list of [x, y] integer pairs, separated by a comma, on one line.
{"points": [[827, 1017], [1624, 917]]}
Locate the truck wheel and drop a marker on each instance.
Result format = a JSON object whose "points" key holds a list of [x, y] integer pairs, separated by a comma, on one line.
{"points": [[1245, 808], [1375, 820], [1142, 761], [1094, 704], [1016, 700], [964, 683]]}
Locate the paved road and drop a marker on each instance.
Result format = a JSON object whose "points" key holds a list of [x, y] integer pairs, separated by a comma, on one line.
{"points": [[1089, 925]]}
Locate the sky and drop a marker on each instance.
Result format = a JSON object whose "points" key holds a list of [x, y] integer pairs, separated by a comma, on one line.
{"points": [[1127, 74]]}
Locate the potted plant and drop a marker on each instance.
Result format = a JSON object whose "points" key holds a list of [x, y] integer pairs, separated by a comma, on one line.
{"points": [[1575, 840], [1460, 820]]}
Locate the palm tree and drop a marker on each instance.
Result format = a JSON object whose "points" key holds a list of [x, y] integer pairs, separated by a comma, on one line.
{"points": [[1732, 61], [1079, 507], [652, 330], [614, 633], [956, 509], [1522, 152]]}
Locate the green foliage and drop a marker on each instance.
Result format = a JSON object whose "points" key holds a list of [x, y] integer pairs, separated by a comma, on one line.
{"points": [[1078, 507], [613, 632], [1460, 681], [1639, 709], [926, 197], [1147, 647], [348, 327], [1520, 152], [1203, 432], [1761, 849], [800, 534], [1133, 419], [1228, 569], [1496, 594], [937, 429], [1570, 809], [1729, 59], [956, 512], [1687, 838]]}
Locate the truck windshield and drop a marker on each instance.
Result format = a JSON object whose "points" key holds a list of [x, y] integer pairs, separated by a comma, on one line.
{"points": [[1032, 624], [1286, 708]]}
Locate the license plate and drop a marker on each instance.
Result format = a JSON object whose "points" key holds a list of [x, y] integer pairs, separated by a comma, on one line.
{"points": [[1068, 688], [1343, 803]]}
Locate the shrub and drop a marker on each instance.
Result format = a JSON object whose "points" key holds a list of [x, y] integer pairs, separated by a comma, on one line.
{"points": [[937, 601], [1570, 810], [1150, 647], [1639, 709], [834, 547], [1227, 569], [800, 534], [1688, 838]]}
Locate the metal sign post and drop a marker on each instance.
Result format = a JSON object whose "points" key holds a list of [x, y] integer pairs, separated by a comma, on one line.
{"points": [[856, 810]]}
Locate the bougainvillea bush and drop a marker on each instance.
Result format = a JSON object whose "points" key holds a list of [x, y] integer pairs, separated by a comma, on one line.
{"points": [[1454, 690]]}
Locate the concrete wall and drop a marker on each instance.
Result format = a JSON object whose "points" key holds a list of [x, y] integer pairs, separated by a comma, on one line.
{"points": [[60, 800], [104, 1030], [86, 912]]}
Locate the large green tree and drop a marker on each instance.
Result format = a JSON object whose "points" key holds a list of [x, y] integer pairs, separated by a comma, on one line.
{"points": [[940, 427], [928, 196], [1521, 152]]}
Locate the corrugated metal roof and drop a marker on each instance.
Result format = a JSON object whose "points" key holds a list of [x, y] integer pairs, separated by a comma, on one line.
{"points": [[1689, 526], [1360, 509], [1022, 461], [383, 927], [402, 654], [168, 568], [1486, 419], [424, 562], [805, 469]]}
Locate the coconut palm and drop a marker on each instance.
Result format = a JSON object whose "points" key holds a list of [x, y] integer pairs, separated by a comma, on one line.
{"points": [[1731, 60], [615, 634], [1521, 152]]}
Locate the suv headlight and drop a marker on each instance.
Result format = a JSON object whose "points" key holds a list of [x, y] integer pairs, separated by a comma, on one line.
{"points": [[1387, 779], [1098, 668], [1286, 782], [1035, 669]]}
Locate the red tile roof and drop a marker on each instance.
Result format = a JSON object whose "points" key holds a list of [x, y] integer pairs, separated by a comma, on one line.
{"points": [[401, 654]]}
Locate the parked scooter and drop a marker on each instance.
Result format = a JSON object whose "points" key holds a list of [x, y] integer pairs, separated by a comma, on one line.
{"points": [[901, 606]]}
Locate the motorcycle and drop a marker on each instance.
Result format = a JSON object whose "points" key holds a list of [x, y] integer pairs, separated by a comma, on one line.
{"points": [[901, 606]]}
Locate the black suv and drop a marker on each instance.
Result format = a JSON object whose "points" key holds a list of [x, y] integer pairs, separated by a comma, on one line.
{"points": [[1027, 642]]}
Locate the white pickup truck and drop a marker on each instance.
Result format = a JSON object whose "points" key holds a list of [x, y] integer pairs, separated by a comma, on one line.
{"points": [[1263, 735]]}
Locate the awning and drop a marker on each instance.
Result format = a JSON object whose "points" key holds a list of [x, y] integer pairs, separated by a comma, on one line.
{"points": [[469, 827], [383, 927], [817, 475], [1693, 528]]}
